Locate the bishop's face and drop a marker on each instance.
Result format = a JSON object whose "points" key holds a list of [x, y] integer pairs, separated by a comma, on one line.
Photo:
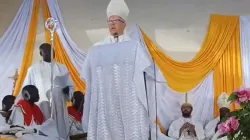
{"points": [[116, 25]]}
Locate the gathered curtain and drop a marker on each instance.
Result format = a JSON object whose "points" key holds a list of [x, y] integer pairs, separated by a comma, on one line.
{"points": [[30, 45], [61, 55], [220, 52]]}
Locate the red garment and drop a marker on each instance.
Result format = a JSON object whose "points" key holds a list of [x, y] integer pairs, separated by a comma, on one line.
{"points": [[74, 113], [29, 112]]}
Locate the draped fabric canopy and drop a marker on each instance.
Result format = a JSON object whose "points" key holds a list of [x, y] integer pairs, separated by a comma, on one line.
{"points": [[245, 48], [61, 55], [169, 101], [17, 44], [220, 52], [215, 69]]}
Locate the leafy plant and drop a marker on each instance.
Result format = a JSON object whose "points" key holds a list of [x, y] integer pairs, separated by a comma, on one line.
{"points": [[229, 126]]}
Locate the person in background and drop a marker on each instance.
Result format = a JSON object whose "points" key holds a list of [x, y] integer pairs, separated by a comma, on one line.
{"points": [[211, 127], [186, 128], [39, 74], [7, 103], [26, 112], [75, 113]]}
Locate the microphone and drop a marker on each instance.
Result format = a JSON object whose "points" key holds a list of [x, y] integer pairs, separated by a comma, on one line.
{"points": [[116, 37]]}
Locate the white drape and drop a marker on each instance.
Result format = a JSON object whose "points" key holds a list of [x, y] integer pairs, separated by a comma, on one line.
{"points": [[12, 46], [245, 48], [76, 55], [169, 101]]}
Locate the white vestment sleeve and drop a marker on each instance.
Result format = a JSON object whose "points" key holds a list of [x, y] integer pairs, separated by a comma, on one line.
{"points": [[16, 117], [210, 128], [85, 75], [174, 130], [141, 64], [199, 131]]}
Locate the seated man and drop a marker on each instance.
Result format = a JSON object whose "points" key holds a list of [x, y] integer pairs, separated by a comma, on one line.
{"points": [[211, 127], [75, 113], [26, 112], [186, 128], [7, 103]]}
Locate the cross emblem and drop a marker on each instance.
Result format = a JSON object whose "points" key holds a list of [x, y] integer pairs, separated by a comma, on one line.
{"points": [[14, 78]]}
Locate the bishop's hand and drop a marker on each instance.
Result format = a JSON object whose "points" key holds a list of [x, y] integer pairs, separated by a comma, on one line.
{"points": [[66, 90]]}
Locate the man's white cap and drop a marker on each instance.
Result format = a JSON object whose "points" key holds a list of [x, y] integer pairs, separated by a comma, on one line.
{"points": [[118, 8], [223, 100]]}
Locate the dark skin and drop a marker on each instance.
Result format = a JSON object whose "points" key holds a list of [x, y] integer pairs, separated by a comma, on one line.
{"points": [[78, 100], [7, 103], [186, 110], [223, 113], [33, 92], [45, 52]]}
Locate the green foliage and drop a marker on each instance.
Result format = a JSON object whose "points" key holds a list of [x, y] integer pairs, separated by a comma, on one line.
{"points": [[243, 132], [233, 97]]}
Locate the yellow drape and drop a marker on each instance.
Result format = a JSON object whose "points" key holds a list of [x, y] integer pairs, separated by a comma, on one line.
{"points": [[61, 55], [30, 44], [228, 72], [220, 52]]}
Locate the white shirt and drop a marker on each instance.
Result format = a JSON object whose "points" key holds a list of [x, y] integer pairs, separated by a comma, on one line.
{"points": [[210, 127], [17, 117], [177, 124]]}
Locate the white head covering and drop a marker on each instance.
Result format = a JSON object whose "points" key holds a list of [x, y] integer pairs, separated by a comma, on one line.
{"points": [[118, 8], [222, 100]]}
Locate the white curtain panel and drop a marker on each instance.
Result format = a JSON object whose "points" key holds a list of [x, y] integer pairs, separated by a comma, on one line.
{"points": [[76, 55], [12, 47], [168, 101], [245, 48]]}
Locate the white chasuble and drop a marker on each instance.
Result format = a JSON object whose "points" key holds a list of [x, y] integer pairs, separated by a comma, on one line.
{"points": [[115, 104]]}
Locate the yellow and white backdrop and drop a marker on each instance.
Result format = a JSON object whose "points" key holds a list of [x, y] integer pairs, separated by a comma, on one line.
{"points": [[197, 52]]}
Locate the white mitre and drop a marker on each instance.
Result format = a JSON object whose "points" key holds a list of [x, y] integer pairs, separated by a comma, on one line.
{"points": [[118, 8], [223, 101]]}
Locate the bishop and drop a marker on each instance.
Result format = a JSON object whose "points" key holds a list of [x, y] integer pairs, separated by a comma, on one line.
{"points": [[115, 103]]}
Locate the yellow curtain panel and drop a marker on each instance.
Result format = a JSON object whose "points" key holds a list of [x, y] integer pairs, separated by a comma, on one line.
{"points": [[220, 52], [30, 44], [61, 55]]}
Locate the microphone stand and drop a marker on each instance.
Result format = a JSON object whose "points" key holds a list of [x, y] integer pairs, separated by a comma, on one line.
{"points": [[116, 37], [146, 91], [156, 104], [51, 25]]}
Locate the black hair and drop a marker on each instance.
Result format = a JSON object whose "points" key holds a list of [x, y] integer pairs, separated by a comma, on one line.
{"points": [[33, 93], [8, 98], [44, 45]]}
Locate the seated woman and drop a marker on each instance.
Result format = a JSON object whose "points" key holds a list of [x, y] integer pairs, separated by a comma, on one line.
{"points": [[26, 112], [7, 103], [75, 113]]}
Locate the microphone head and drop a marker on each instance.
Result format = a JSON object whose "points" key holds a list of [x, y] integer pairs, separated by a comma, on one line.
{"points": [[115, 34]]}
